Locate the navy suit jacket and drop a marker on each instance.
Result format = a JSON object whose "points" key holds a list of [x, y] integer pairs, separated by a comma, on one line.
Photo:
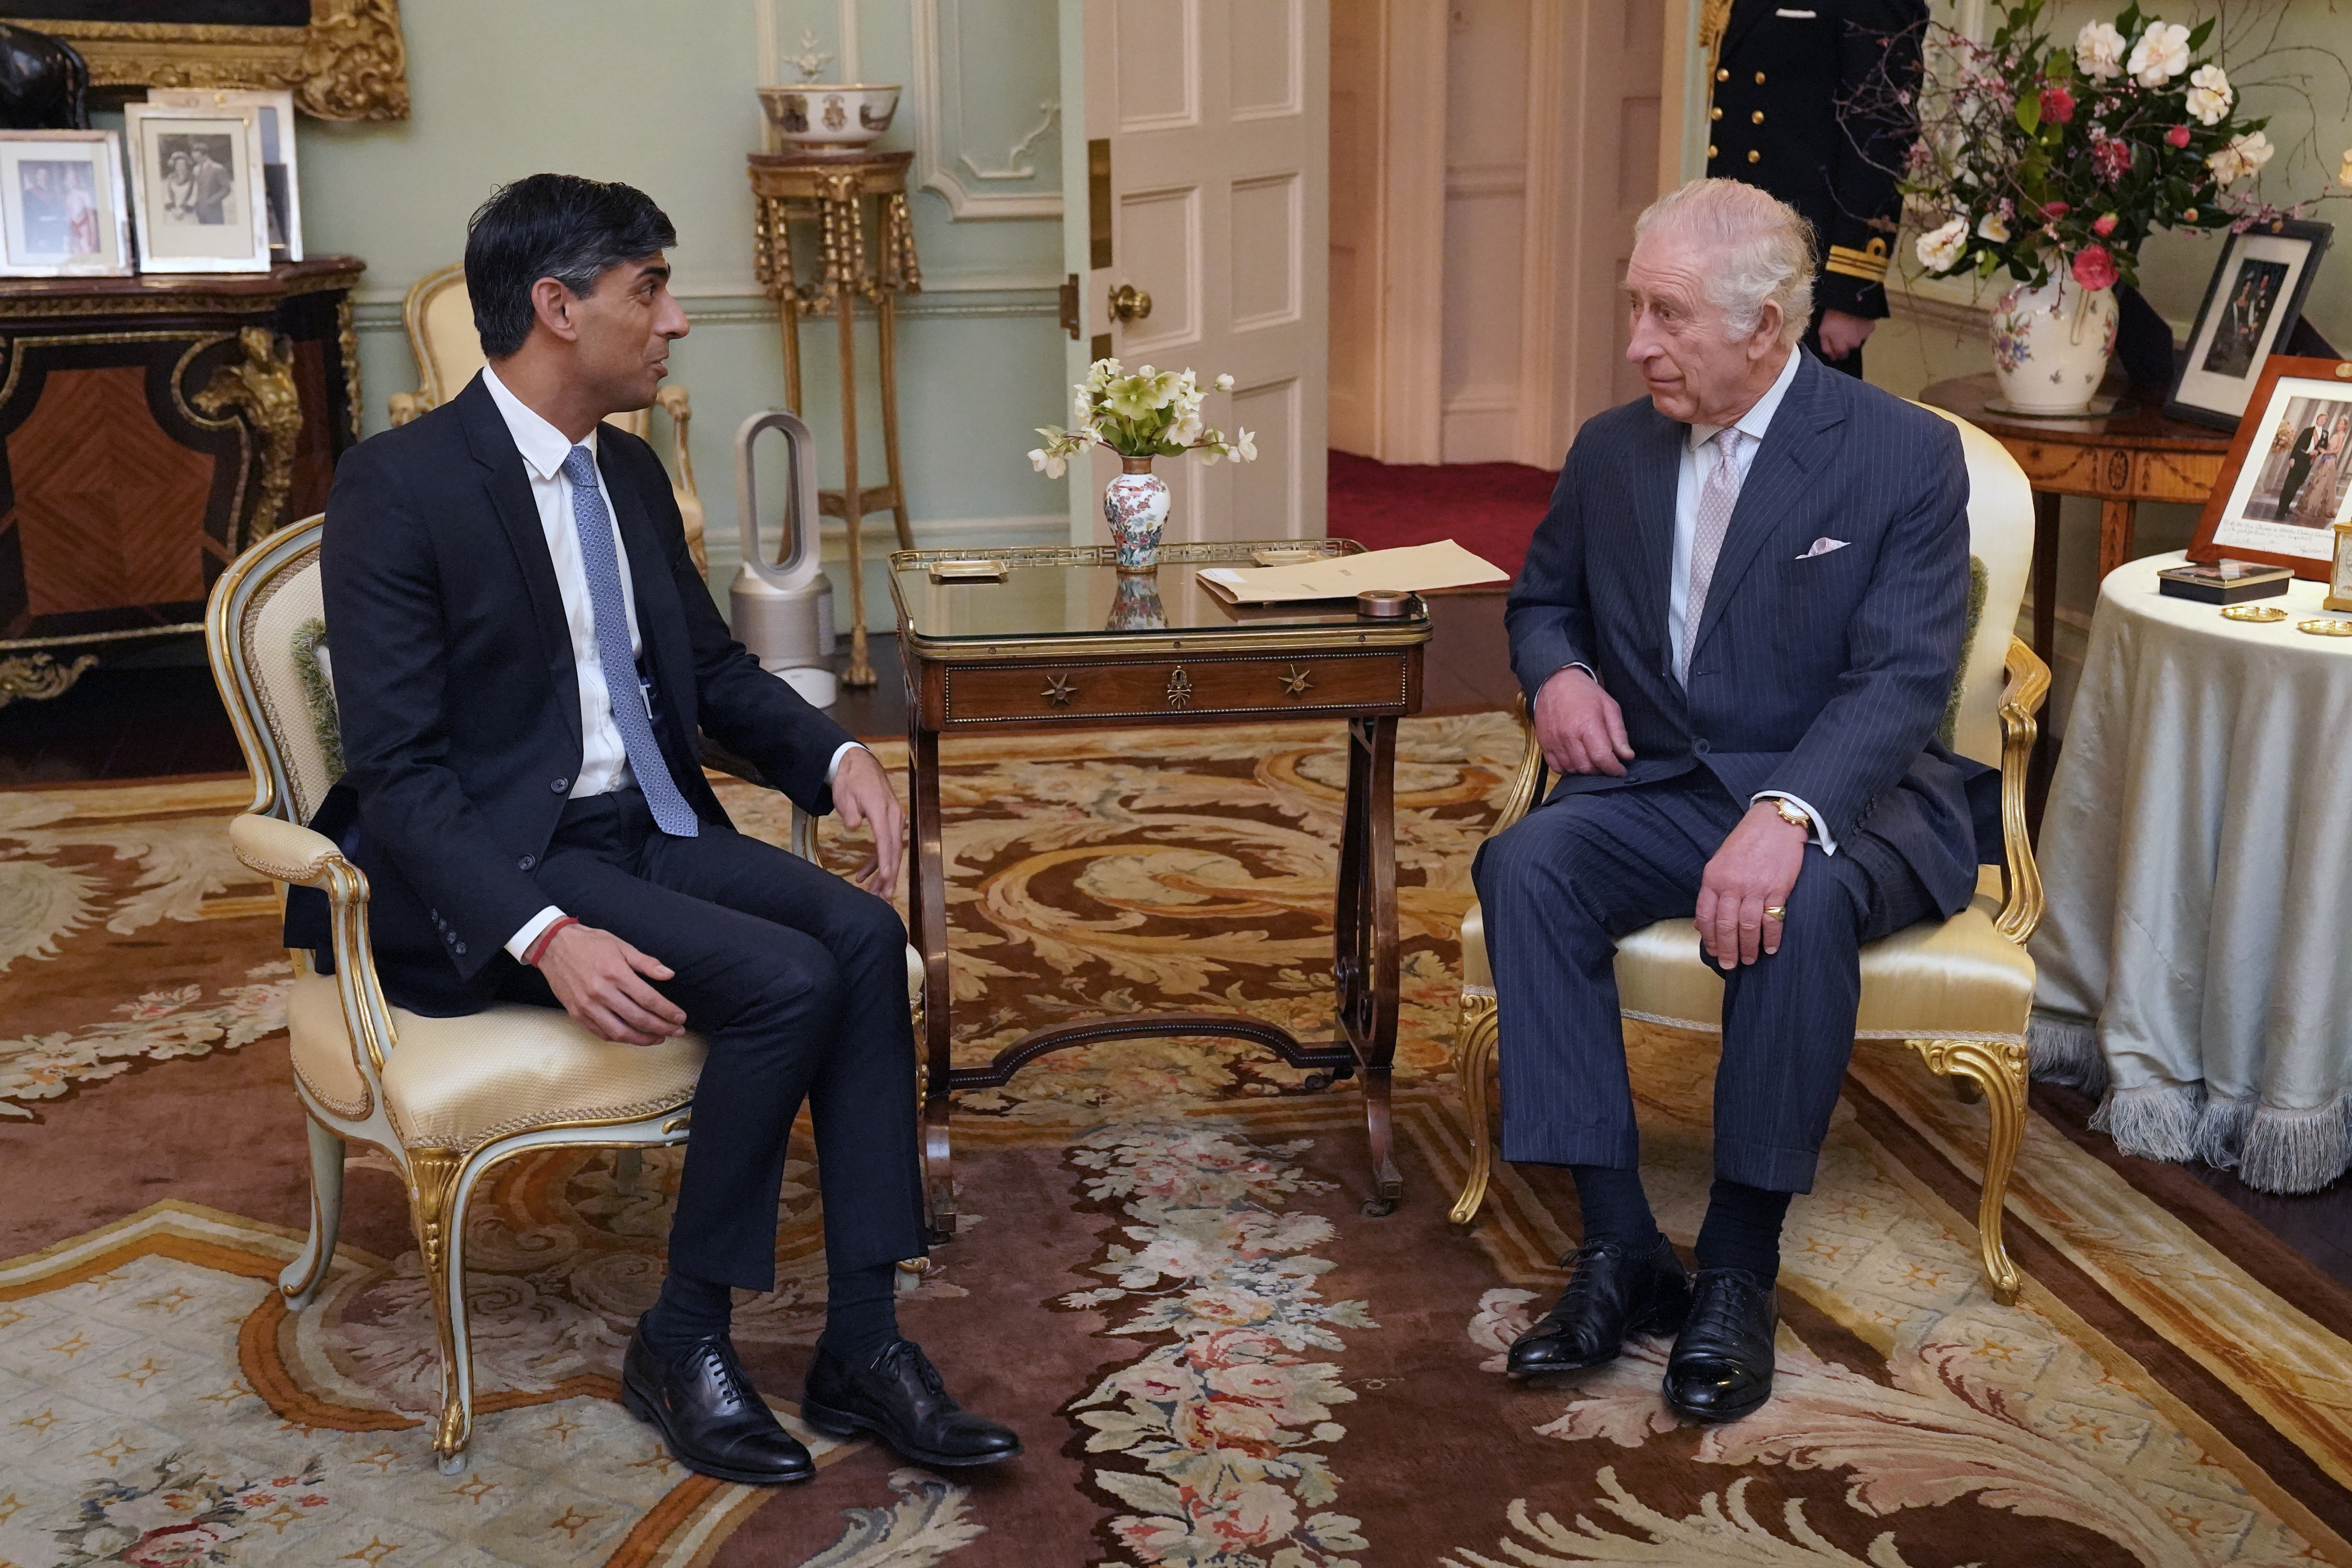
{"points": [[457, 683], [1824, 677]]}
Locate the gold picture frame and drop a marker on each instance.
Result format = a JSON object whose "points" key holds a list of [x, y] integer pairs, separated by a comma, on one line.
{"points": [[2339, 580], [347, 62]]}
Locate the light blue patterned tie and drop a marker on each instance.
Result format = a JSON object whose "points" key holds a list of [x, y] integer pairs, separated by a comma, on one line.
{"points": [[603, 569]]}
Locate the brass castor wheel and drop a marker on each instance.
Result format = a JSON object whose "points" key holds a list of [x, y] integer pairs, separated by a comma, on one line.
{"points": [[1378, 1208], [1317, 1082]]}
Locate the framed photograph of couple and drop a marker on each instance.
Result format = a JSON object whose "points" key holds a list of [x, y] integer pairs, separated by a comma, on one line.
{"points": [[2287, 481], [2248, 313], [197, 187], [62, 212], [279, 191]]}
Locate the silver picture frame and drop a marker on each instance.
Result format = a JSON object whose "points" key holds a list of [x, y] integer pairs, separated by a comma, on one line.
{"points": [[196, 187]]}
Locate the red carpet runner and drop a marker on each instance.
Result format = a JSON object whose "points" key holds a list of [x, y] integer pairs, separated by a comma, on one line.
{"points": [[1489, 509]]}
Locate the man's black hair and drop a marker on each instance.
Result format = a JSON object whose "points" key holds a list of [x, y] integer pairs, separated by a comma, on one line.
{"points": [[552, 226]]}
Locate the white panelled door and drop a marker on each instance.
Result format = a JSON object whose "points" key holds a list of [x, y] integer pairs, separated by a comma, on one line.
{"points": [[1196, 172]]}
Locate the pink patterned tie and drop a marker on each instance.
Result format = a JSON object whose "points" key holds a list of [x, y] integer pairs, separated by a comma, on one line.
{"points": [[1715, 506]]}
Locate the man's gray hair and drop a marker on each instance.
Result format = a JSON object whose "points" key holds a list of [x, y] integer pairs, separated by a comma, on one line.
{"points": [[1758, 248]]}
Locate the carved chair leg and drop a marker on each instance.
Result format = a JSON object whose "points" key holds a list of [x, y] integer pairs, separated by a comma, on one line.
{"points": [[1999, 1071], [433, 1176], [302, 1279], [1477, 1032]]}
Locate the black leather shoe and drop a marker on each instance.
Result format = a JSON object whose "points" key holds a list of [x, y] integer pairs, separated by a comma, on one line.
{"points": [[1615, 1291], [899, 1398], [1721, 1367], [709, 1415]]}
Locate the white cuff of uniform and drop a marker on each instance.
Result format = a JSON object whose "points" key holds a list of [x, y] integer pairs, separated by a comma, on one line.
{"points": [[1821, 835], [520, 943], [832, 768]]}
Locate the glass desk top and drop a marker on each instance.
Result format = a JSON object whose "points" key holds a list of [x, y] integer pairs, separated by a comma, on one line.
{"points": [[1065, 599]]}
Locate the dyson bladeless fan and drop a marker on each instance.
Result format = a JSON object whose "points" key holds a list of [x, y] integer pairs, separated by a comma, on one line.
{"points": [[783, 610]]}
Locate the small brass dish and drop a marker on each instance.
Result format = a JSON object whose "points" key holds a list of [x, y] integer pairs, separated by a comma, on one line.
{"points": [[967, 571], [2322, 628], [2264, 614]]}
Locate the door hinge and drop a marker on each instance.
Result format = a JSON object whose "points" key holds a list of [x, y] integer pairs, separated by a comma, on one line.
{"points": [[1070, 322]]}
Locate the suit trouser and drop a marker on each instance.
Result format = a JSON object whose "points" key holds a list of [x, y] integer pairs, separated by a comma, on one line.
{"points": [[1577, 873], [798, 980]]}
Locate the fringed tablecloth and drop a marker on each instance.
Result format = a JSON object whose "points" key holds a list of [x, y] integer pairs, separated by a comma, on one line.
{"points": [[2197, 957]]}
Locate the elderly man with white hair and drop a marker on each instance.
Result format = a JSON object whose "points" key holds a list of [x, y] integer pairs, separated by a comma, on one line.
{"points": [[1737, 627]]}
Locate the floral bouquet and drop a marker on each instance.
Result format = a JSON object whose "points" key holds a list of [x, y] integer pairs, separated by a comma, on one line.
{"points": [[1150, 414], [2033, 156]]}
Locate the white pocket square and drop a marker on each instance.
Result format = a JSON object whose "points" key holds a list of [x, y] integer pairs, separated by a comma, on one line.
{"points": [[1797, 16], [1822, 546]]}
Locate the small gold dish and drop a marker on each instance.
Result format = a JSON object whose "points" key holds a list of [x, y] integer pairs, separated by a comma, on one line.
{"points": [[2322, 628], [2264, 614], [1284, 557], [967, 571]]}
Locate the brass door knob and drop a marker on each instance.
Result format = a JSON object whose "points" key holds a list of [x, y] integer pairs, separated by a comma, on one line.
{"points": [[1129, 303]]}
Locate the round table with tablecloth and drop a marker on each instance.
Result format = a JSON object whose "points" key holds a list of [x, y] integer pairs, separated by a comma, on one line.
{"points": [[2195, 962]]}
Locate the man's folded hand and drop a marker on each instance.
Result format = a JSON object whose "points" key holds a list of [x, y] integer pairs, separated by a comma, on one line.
{"points": [[602, 982], [1580, 726]]}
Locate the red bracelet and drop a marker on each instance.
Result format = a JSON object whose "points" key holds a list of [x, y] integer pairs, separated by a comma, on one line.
{"points": [[537, 949]]}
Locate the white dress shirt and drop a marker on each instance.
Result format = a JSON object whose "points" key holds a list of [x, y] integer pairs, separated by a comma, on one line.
{"points": [[604, 755], [1691, 475]]}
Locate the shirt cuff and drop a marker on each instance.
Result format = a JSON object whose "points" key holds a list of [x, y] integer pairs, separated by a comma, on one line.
{"points": [[1821, 834], [834, 767], [520, 943]]}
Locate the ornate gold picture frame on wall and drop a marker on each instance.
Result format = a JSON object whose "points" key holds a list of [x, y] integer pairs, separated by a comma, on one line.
{"points": [[343, 60]]}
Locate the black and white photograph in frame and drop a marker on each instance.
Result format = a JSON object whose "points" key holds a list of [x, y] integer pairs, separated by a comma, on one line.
{"points": [[2251, 304], [281, 188], [196, 187], [2295, 484], [63, 213]]}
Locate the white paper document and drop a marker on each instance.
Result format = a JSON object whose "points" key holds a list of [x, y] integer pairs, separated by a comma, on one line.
{"points": [[1415, 569]]}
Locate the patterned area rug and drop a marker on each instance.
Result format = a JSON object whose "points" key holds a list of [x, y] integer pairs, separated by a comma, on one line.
{"points": [[1163, 1279]]}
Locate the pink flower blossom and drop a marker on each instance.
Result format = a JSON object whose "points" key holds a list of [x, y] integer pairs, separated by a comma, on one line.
{"points": [[173, 1546], [2112, 159], [2094, 268], [2057, 105], [2106, 224], [2055, 209], [2178, 136]]}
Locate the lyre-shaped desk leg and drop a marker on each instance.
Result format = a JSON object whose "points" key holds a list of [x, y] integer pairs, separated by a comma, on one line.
{"points": [[1365, 938]]}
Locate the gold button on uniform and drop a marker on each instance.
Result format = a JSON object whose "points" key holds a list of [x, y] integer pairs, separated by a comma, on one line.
{"points": [[1723, 76], [1754, 156], [1710, 152], [1715, 113], [1759, 78], [1758, 117]]}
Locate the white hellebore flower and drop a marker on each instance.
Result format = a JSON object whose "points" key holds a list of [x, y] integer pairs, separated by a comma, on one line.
{"points": [[2099, 52], [2344, 170], [1226, 383], [1051, 464], [2210, 94], [1245, 448], [1992, 228], [2161, 54], [2244, 155], [1940, 246]]}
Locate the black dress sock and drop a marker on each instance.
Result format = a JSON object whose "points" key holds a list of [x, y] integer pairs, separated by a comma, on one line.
{"points": [[688, 1309], [1743, 1230], [861, 1313], [1614, 1205]]}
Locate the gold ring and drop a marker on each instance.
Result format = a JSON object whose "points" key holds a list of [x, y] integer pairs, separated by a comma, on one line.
{"points": [[1776, 912]]}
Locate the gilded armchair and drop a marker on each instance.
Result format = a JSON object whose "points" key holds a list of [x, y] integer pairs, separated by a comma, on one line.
{"points": [[1959, 993], [445, 1099], [440, 315]]}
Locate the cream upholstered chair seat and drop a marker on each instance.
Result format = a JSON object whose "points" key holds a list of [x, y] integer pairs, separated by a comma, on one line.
{"points": [[440, 315], [446, 1099], [1958, 993]]}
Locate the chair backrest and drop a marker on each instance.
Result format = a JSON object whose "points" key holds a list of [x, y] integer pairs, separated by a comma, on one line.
{"points": [[440, 318], [2000, 538], [265, 632]]}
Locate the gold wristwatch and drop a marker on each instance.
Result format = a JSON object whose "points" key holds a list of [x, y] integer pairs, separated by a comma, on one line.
{"points": [[1792, 813]]}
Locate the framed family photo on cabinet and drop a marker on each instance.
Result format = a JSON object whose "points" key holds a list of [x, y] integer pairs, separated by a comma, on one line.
{"points": [[197, 187], [279, 191], [2287, 481], [62, 212], [2251, 304]]}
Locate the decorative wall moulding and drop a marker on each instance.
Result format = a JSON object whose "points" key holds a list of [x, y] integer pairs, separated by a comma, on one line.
{"points": [[343, 60], [1002, 171]]}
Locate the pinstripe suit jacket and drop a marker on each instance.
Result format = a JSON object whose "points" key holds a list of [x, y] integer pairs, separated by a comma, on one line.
{"points": [[1824, 676]]}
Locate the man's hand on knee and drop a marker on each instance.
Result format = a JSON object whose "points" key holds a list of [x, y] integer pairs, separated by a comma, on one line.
{"points": [[1580, 727], [862, 794], [1754, 871], [601, 983]]}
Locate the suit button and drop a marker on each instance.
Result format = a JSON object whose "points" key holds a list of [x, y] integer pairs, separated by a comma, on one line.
{"points": [[1724, 75], [461, 950], [1753, 155], [1759, 78], [525, 864], [559, 785], [1715, 113], [1758, 117], [1698, 748]]}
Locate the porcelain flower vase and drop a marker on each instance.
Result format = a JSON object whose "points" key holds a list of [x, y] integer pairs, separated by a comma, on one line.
{"points": [[2051, 345], [1137, 607], [1135, 505]]}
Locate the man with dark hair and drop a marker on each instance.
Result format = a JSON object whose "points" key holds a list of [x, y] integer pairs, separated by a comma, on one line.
{"points": [[525, 654]]}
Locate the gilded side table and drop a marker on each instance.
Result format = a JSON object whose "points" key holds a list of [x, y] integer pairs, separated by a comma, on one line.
{"points": [[1062, 641], [2138, 454], [150, 428], [835, 190]]}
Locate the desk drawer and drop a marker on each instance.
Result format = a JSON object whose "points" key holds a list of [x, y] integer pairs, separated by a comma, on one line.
{"points": [[1386, 681]]}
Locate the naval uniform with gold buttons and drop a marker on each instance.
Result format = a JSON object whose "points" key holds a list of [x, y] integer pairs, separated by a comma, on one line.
{"points": [[1780, 121]]}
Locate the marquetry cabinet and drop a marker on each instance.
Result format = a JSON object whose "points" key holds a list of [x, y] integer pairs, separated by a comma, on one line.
{"points": [[150, 428]]}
